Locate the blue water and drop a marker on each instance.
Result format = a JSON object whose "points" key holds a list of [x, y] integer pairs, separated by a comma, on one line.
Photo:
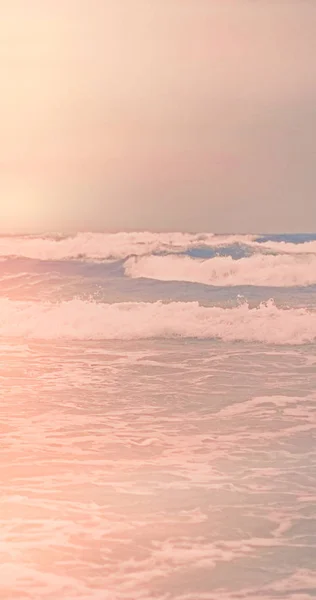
{"points": [[162, 449]]}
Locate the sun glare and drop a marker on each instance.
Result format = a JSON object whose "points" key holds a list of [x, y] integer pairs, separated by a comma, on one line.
{"points": [[23, 207]]}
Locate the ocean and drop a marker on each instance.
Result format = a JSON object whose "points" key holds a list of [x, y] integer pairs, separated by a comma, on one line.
{"points": [[158, 417]]}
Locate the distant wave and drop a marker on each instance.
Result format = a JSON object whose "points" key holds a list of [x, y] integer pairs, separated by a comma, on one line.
{"points": [[78, 319], [102, 246], [97, 247], [286, 247], [259, 270]]}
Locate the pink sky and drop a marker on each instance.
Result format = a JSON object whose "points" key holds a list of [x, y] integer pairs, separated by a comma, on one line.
{"points": [[191, 114]]}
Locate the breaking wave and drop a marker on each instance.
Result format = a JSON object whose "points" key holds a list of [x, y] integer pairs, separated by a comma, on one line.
{"points": [[258, 270], [286, 247], [103, 246], [78, 319], [118, 246]]}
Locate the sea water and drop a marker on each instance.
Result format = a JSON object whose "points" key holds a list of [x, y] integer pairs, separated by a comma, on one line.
{"points": [[158, 417]]}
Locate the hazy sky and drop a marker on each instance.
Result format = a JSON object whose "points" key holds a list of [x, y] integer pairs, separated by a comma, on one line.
{"points": [[158, 114]]}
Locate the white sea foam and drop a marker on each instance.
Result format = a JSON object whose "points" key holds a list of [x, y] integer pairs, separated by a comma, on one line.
{"points": [[287, 247], [258, 270], [102, 246], [78, 319]]}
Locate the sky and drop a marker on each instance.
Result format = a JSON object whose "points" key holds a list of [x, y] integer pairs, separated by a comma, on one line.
{"points": [[193, 115]]}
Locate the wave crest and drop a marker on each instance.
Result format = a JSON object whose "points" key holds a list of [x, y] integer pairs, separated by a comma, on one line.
{"points": [[120, 245], [258, 270], [103, 246], [78, 319]]}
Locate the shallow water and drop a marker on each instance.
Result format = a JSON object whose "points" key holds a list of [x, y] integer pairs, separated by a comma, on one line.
{"points": [[168, 468]]}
